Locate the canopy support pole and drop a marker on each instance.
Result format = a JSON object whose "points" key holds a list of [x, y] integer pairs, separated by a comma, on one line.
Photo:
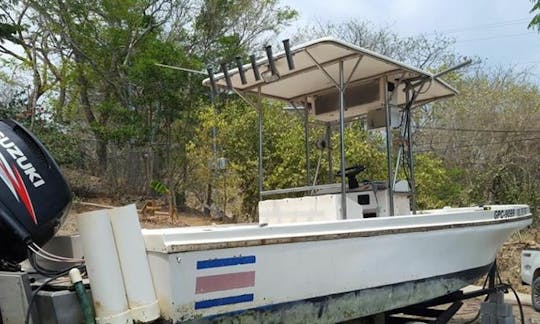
{"points": [[341, 85], [329, 147], [389, 149], [261, 171], [306, 138], [342, 139], [412, 180], [411, 94]]}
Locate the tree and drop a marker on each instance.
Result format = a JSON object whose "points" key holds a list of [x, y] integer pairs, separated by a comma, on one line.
{"points": [[94, 61], [103, 37], [284, 156], [237, 141], [535, 21], [92, 64], [225, 29], [489, 132], [167, 99], [7, 30], [419, 51], [437, 184], [12, 103], [30, 47]]}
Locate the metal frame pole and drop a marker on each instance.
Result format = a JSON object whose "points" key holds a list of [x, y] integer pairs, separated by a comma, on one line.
{"points": [[398, 162], [341, 85], [261, 171], [329, 148], [306, 138], [411, 156], [389, 149], [342, 139]]}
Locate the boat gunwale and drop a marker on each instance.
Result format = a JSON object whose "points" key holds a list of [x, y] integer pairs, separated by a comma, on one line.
{"points": [[226, 243]]}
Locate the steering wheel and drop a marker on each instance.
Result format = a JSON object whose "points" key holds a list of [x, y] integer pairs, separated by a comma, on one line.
{"points": [[352, 170], [351, 173]]}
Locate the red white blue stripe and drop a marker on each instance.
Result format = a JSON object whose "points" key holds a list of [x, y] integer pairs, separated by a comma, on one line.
{"points": [[232, 277]]}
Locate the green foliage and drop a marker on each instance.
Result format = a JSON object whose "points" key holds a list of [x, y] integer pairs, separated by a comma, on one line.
{"points": [[436, 185], [237, 140], [361, 148], [159, 187], [107, 85], [7, 30], [55, 137], [63, 146], [225, 29], [13, 105], [535, 21], [163, 94], [488, 133], [284, 154]]}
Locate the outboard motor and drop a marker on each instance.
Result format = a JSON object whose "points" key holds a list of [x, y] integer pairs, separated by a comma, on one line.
{"points": [[34, 196]]}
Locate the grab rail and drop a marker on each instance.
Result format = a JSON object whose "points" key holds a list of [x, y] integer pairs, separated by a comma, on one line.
{"points": [[301, 189]]}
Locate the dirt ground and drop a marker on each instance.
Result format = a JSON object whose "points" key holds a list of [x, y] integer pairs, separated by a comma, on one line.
{"points": [[159, 219], [508, 260]]}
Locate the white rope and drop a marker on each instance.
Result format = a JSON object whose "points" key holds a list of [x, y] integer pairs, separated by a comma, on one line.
{"points": [[52, 257]]}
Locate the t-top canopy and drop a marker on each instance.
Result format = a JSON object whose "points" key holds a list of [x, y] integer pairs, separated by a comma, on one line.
{"points": [[318, 60]]}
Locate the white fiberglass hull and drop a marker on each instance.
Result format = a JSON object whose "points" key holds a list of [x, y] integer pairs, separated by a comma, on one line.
{"points": [[325, 272]]}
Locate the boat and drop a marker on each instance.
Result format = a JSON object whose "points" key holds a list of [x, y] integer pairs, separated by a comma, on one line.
{"points": [[326, 253]]}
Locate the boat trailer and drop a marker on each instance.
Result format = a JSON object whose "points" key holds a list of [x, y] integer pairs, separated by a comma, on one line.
{"points": [[440, 310]]}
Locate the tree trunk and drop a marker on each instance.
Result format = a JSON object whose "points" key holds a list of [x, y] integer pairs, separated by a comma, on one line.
{"points": [[180, 197], [181, 194], [101, 154], [59, 115], [208, 203], [101, 144]]}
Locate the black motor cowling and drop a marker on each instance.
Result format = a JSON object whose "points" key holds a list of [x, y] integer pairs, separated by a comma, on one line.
{"points": [[34, 196]]}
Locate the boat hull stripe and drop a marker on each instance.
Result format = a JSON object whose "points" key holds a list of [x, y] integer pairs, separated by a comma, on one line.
{"points": [[225, 282], [225, 262], [277, 311], [224, 301]]}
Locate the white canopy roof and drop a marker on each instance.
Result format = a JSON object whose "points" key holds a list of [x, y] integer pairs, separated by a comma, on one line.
{"points": [[307, 79]]}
